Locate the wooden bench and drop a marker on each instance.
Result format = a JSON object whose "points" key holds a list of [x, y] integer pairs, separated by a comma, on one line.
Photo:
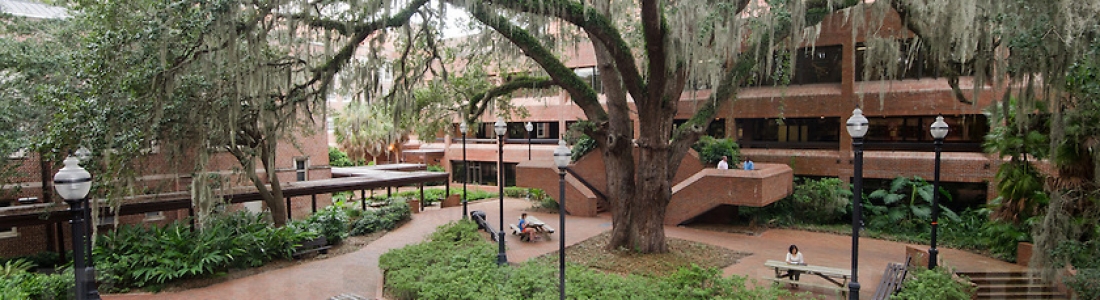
{"points": [[836, 276], [891, 280], [319, 244], [840, 291]]}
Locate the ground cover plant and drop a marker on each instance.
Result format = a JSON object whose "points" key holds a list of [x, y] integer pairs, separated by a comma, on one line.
{"points": [[384, 218], [139, 256], [933, 284], [469, 271], [18, 282], [433, 195]]}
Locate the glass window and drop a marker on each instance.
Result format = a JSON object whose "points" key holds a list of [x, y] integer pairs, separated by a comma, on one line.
{"points": [[300, 168], [591, 76], [7, 232]]}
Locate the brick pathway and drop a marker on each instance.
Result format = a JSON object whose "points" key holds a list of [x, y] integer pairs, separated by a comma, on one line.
{"points": [[356, 275]]}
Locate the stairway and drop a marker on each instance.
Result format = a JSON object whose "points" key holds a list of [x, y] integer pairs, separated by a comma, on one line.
{"points": [[1011, 285]]}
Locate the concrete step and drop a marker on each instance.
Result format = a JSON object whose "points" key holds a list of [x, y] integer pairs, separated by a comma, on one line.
{"points": [[1028, 295], [1011, 285], [348, 296], [1015, 288]]}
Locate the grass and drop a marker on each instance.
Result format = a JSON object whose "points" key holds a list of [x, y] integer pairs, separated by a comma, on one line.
{"points": [[593, 253]]}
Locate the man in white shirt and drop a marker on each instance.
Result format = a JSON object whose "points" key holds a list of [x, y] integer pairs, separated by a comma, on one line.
{"points": [[723, 165]]}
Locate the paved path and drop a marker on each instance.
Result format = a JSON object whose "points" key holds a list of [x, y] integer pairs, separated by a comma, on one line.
{"points": [[357, 273]]}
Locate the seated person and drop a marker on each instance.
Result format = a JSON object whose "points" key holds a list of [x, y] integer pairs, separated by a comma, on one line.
{"points": [[748, 165], [794, 257], [528, 233]]}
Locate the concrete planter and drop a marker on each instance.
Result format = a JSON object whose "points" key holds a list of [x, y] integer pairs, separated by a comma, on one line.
{"points": [[1023, 253]]}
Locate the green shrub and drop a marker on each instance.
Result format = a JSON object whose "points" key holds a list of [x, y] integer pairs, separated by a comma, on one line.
{"points": [[515, 192], [584, 145], [1001, 238], [1082, 255], [385, 218], [814, 202], [436, 194], [139, 256], [337, 158], [905, 207], [44, 259], [711, 150], [22, 284], [331, 222], [933, 284]]}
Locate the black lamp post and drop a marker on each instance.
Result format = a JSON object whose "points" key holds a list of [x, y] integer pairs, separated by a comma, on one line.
{"points": [[73, 183], [465, 166], [857, 128], [530, 127], [939, 131], [561, 158], [500, 127]]}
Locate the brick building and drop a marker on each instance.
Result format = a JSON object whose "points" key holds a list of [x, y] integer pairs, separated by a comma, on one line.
{"points": [[801, 125]]}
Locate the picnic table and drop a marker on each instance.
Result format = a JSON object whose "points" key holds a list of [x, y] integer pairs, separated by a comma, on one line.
{"points": [[533, 222], [838, 277]]}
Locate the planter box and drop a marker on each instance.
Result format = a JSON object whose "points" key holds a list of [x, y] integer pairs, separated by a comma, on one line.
{"points": [[1023, 253]]}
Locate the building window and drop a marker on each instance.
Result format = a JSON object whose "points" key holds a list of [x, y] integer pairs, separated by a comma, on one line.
{"points": [[154, 216], [301, 166], [790, 133], [542, 130], [591, 76], [911, 133], [108, 221], [483, 172], [812, 65], [7, 232], [330, 124]]}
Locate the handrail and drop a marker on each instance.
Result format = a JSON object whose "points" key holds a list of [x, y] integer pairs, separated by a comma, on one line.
{"points": [[586, 183]]}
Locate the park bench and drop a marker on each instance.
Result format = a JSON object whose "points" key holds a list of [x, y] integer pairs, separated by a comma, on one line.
{"points": [[319, 245], [891, 279], [838, 278]]}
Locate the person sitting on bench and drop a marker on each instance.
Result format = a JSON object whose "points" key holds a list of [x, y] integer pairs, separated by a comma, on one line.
{"points": [[794, 257], [528, 232]]}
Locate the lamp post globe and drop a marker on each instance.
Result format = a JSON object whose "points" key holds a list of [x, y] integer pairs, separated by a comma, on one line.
{"points": [[561, 159], [939, 131], [500, 128], [462, 127], [73, 183], [857, 127]]}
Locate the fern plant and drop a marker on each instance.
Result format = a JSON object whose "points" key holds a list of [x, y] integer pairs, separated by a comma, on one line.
{"points": [[906, 206]]}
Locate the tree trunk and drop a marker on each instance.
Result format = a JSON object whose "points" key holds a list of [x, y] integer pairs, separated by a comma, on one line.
{"points": [[274, 196]]}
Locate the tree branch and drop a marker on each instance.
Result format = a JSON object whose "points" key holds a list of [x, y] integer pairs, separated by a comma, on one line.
{"points": [[597, 26], [582, 93]]}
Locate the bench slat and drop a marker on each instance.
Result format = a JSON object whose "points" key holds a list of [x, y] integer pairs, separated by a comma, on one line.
{"points": [[824, 286]]}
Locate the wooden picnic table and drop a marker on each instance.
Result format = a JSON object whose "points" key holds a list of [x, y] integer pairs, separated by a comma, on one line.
{"points": [[838, 277], [534, 223]]}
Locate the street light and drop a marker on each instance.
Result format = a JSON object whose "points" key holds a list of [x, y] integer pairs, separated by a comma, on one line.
{"points": [[939, 131], [561, 158], [500, 127], [73, 183], [465, 165], [529, 128], [857, 128]]}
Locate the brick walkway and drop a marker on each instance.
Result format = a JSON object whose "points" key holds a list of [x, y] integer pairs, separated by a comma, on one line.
{"points": [[356, 275]]}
